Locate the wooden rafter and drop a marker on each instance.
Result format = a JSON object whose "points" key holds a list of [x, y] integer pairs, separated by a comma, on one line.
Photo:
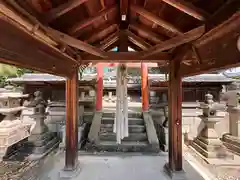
{"points": [[87, 22], [176, 41], [223, 13], [73, 42], [137, 40], [102, 31], [38, 56], [188, 9], [109, 41], [152, 17], [62, 9], [217, 48], [147, 33]]}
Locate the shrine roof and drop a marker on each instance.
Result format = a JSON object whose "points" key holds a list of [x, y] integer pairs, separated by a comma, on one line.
{"points": [[43, 77], [55, 36]]}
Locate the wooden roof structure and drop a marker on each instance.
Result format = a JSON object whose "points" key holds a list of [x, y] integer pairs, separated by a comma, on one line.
{"points": [[55, 36]]}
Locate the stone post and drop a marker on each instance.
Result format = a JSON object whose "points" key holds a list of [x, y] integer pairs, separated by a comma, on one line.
{"points": [[232, 140], [82, 97], [208, 143], [41, 141], [110, 96]]}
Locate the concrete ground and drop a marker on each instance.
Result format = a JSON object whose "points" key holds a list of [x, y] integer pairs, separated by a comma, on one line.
{"points": [[118, 167]]}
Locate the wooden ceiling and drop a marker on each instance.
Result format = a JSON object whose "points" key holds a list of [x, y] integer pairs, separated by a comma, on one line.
{"points": [[159, 30]]}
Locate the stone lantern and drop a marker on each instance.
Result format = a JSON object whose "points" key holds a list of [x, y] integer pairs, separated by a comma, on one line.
{"points": [[41, 141], [12, 129], [208, 142], [232, 139]]}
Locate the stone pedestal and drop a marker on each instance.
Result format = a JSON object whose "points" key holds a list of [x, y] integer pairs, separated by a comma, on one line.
{"points": [[164, 131], [12, 130], [208, 143], [41, 141], [232, 140]]}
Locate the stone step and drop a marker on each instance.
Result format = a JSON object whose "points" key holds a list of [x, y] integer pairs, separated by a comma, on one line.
{"points": [[125, 146], [131, 121], [130, 114], [132, 137], [131, 128]]}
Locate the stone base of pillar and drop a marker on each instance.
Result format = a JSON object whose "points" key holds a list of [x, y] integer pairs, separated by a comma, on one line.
{"points": [[69, 174], [174, 175], [40, 145], [210, 148], [232, 143]]}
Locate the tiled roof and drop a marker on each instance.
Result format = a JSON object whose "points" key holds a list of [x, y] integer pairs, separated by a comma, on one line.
{"points": [[132, 80]]}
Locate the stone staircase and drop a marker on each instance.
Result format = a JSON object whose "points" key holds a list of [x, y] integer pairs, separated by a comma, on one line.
{"points": [[137, 141]]}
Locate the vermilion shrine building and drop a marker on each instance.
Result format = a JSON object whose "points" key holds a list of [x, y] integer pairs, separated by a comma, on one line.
{"points": [[183, 37]]}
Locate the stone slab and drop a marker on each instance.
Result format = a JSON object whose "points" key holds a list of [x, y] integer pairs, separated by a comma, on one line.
{"points": [[235, 161], [93, 135], [151, 131], [119, 167]]}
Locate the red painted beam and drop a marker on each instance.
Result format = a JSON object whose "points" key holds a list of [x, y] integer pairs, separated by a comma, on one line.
{"points": [[145, 94], [99, 87]]}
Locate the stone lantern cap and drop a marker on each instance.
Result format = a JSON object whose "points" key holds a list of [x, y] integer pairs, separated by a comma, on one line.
{"points": [[10, 100], [11, 92], [210, 107]]}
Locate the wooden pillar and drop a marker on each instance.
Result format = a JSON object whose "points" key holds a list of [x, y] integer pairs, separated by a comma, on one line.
{"points": [[145, 93], [175, 117], [72, 122], [99, 95]]}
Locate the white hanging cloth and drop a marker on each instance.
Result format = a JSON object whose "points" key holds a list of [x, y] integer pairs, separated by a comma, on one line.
{"points": [[121, 117]]}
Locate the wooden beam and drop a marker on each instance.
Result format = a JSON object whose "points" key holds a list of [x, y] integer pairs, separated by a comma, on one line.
{"points": [[73, 42], [71, 157], [39, 55], [127, 56], [30, 24], [102, 32], [156, 19], [78, 26], [135, 65], [124, 8], [123, 42], [176, 41], [137, 40], [188, 9], [217, 49], [62, 9]]}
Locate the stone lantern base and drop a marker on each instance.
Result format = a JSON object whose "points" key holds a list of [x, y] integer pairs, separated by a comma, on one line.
{"points": [[210, 148], [11, 133], [208, 143], [39, 145]]}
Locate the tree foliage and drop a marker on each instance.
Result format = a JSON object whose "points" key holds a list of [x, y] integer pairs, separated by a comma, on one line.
{"points": [[7, 71]]}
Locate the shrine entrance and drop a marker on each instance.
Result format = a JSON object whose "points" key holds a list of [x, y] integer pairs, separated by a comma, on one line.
{"points": [[183, 38]]}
